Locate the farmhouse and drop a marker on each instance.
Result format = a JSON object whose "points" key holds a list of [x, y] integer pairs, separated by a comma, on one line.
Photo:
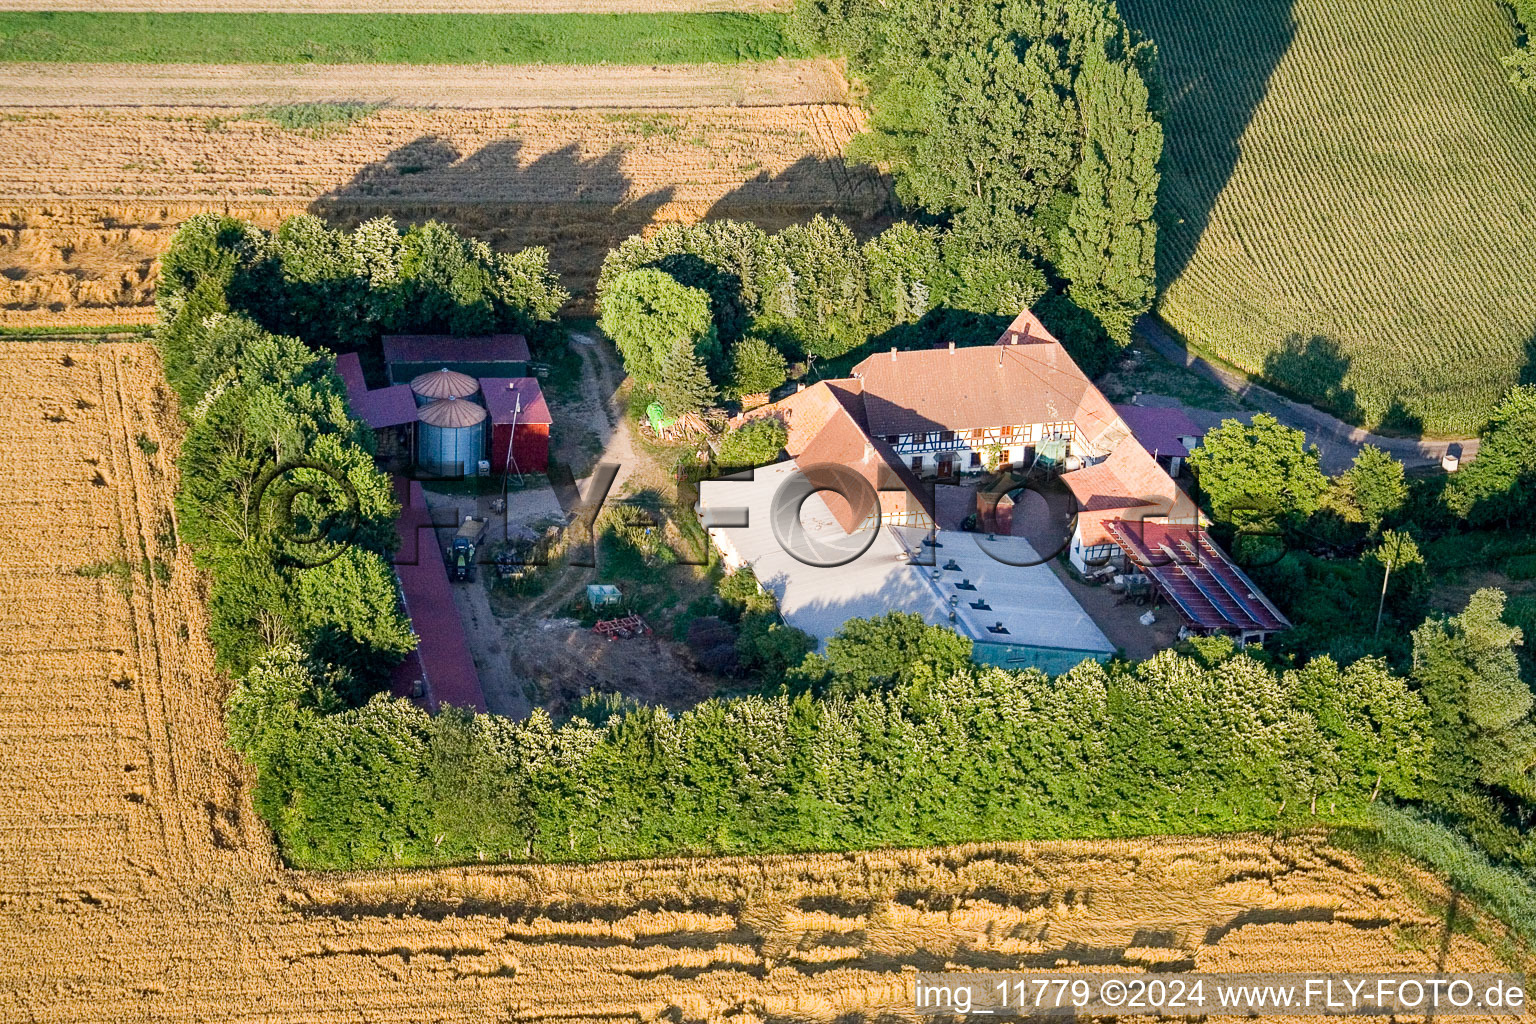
{"points": [[848, 525]]}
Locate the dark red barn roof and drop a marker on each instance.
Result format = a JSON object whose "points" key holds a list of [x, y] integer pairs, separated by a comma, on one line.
{"points": [[502, 395], [379, 408], [442, 659], [1209, 590]]}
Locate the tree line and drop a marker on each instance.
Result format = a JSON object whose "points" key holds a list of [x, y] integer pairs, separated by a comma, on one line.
{"points": [[875, 751], [1353, 558], [343, 289], [1027, 125], [725, 309], [1522, 63], [279, 498]]}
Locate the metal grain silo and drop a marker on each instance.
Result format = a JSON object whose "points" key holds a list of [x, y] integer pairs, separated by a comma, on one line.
{"points": [[444, 383], [450, 437]]}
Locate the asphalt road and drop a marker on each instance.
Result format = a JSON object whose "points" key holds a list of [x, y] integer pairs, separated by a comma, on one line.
{"points": [[1337, 442]]}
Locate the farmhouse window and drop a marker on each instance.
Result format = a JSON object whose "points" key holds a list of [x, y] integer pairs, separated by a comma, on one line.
{"points": [[946, 436], [892, 438], [975, 459], [917, 463], [1008, 431]]}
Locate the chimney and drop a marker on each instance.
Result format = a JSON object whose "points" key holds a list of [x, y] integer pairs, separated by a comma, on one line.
{"points": [[869, 451], [800, 386], [951, 348], [893, 353], [999, 355]]}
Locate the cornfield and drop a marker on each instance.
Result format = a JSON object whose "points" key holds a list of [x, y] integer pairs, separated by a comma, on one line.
{"points": [[1348, 200], [138, 885]]}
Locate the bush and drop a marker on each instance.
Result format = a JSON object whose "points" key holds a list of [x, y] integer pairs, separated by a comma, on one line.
{"points": [[756, 443], [648, 314], [1521, 567], [756, 368]]}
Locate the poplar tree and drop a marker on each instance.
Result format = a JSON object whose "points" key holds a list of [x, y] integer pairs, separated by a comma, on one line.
{"points": [[1108, 248]]}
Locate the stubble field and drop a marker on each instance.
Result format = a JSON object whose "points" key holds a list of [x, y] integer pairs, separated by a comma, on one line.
{"points": [[91, 197], [137, 884]]}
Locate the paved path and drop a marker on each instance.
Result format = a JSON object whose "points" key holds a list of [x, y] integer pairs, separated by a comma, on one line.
{"points": [[1337, 441]]}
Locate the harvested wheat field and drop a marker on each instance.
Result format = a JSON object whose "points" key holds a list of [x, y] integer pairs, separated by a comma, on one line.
{"points": [[91, 197], [137, 884]]}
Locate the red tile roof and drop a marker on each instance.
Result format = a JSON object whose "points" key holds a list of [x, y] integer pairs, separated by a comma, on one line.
{"points": [[502, 395], [1129, 477], [1026, 329], [381, 407], [980, 386], [825, 426], [445, 348], [1159, 429], [442, 657]]}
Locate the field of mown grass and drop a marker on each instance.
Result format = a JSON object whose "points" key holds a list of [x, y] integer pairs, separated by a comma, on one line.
{"points": [[1349, 199], [277, 38]]}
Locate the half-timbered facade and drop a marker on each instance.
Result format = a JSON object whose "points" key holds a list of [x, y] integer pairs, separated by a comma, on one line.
{"points": [[905, 419]]}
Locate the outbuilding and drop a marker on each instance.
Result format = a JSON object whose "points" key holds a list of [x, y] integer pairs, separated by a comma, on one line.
{"points": [[390, 412], [520, 421], [491, 355]]}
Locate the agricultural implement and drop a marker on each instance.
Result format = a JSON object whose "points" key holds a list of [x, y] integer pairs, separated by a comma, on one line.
{"points": [[1134, 588], [622, 628], [461, 553]]}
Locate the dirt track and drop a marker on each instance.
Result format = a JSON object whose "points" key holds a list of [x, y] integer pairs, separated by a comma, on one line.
{"points": [[459, 86]]}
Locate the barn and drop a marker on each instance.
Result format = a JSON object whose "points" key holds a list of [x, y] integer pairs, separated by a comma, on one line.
{"points": [[491, 355], [519, 419], [390, 412]]}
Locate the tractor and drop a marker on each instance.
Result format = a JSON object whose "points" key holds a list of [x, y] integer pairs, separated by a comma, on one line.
{"points": [[461, 553]]}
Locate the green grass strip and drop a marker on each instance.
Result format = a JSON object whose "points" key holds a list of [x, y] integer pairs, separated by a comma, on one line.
{"points": [[271, 38]]}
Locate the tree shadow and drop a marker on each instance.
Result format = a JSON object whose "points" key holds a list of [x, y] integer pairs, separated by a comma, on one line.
{"points": [[858, 193], [1314, 367], [1214, 62], [577, 207], [1528, 366]]}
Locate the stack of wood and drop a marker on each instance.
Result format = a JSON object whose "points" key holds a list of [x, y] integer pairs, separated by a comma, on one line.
{"points": [[689, 424]]}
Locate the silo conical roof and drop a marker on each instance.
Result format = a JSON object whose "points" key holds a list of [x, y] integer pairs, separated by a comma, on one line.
{"points": [[451, 412], [444, 383]]}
